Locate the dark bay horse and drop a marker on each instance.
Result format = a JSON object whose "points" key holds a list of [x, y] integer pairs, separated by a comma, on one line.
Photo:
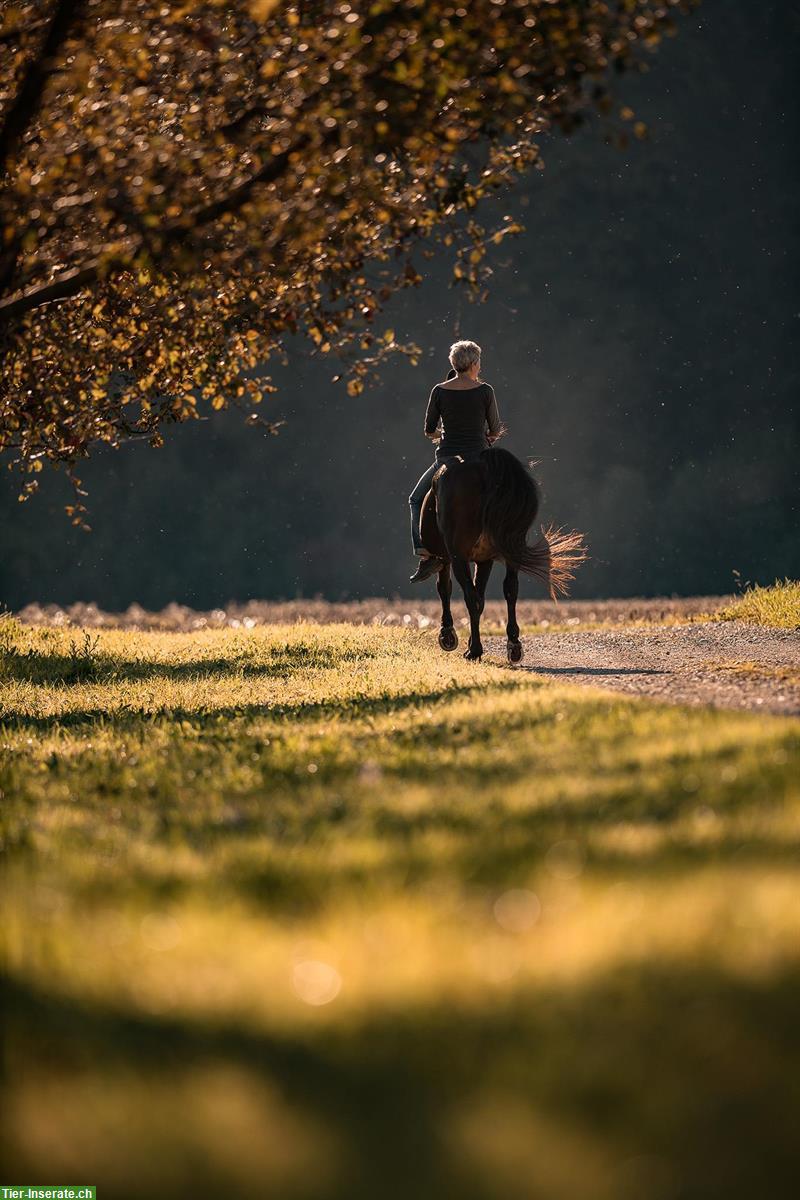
{"points": [[481, 512]]}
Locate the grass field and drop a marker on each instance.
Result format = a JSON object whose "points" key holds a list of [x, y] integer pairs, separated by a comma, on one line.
{"points": [[322, 912], [778, 605]]}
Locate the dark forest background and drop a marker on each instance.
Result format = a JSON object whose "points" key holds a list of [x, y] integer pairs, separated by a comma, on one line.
{"points": [[642, 339]]}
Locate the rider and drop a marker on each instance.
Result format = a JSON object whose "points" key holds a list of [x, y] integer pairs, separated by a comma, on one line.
{"points": [[462, 419]]}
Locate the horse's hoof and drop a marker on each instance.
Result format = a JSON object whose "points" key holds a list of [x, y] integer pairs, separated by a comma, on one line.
{"points": [[473, 656], [448, 639], [515, 652]]}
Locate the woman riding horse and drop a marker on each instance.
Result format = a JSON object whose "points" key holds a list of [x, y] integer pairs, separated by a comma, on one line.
{"points": [[476, 505], [463, 420]]}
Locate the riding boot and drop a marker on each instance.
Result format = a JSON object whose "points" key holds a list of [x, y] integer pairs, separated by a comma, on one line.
{"points": [[427, 567]]}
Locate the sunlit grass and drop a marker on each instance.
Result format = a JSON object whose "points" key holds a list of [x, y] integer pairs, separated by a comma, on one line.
{"points": [[321, 911], [778, 605]]}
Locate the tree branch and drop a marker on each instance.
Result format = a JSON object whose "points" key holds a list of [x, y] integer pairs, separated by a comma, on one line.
{"points": [[68, 283], [25, 105], [71, 282], [13, 33]]}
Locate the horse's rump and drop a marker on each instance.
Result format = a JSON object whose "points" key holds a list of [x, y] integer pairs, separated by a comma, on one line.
{"points": [[512, 505], [452, 511], [483, 510]]}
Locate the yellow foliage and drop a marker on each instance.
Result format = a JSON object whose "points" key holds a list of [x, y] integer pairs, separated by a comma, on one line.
{"points": [[187, 172]]}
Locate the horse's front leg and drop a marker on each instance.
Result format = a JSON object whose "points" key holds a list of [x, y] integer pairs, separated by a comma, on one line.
{"points": [[511, 591], [474, 605], [448, 638]]}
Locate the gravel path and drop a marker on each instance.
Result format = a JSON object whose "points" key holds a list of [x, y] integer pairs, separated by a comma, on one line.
{"points": [[723, 664]]}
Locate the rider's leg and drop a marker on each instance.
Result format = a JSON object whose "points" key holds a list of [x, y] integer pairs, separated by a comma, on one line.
{"points": [[415, 505]]}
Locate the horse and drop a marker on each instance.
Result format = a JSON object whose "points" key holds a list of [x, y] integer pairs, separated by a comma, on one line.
{"points": [[480, 512]]}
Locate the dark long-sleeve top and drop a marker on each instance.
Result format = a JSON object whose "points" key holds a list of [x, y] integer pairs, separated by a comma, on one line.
{"points": [[466, 416]]}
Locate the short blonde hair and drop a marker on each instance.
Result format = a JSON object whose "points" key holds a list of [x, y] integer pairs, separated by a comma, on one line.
{"points": [[463, 355]]}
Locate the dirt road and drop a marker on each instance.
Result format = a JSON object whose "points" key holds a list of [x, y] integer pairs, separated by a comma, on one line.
{"points": [[723, 664]]}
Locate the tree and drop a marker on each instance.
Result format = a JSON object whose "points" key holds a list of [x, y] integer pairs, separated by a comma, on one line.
{"points": [[185, 185]]}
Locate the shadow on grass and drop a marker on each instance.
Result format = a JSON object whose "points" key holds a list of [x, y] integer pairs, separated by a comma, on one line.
{"points": [[90, 667], [272, 848], [282, 887], [664, 1084], [127, 719]]}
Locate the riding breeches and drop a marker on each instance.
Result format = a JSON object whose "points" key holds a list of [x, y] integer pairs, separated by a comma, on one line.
{"points": [[415, 504]]}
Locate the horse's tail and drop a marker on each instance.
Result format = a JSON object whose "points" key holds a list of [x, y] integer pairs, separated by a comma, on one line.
{"points": [[510, 508]]}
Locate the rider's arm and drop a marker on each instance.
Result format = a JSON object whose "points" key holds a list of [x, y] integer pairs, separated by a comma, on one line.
{"points": [[432, 417], [493, 417]]}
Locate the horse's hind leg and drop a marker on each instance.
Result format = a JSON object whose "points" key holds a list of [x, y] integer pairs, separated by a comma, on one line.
{"points": [[482, 572], [448, 638], [474, 607], [511, 591]]}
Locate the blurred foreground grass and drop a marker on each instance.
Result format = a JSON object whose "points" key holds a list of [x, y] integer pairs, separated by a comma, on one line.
{"points": [[322, 912]]}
